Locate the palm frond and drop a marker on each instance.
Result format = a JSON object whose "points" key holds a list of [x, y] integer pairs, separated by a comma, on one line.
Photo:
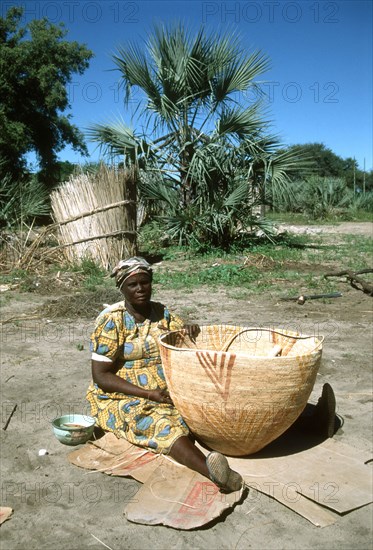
{"points": [[284, 163], [135, 70], [238, 76], [157, 189], [238, 196], [22, 200], [243, 123]]}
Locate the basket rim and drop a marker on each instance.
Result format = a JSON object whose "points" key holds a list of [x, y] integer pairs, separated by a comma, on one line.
{"points": [[291, 334]]}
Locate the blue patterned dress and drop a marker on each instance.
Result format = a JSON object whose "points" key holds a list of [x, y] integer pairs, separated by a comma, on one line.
{"points": [[134, 348]]}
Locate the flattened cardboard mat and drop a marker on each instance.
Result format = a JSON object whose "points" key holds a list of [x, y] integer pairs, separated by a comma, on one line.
{"points": [[171, 494], [318, 483]]}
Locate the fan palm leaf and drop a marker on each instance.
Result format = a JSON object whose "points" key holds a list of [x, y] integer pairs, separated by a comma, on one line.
{"points": [[238, 76], [241, 123]]}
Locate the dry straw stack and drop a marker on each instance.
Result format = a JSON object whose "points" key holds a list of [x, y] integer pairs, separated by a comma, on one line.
{"points": [[96, 214], [232, 389]]}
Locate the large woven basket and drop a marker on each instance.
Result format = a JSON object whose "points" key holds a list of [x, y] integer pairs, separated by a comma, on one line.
{"points": [[234, 394]]}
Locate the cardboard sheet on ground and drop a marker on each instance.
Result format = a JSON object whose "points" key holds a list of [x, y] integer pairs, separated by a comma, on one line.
{"points": [[318, 483], [171, 494], [179, 499], [5, 513]]}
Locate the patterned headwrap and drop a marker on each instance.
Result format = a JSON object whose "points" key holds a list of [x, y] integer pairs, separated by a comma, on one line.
{"points": [[126, 268]]}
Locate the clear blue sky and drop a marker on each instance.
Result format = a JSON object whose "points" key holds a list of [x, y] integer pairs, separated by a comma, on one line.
{"points": [[319, 86]]}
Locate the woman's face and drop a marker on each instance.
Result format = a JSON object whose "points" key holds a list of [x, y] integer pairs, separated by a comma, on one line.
{"points": [[137, 289]]}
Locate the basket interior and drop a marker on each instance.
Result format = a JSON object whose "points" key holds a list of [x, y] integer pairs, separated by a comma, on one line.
{"points": [[259, 342]]}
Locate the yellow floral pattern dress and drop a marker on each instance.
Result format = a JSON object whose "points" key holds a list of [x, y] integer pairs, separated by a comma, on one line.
{"points": [[134, 348]]}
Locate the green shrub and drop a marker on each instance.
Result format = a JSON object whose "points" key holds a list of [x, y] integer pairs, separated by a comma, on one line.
{"points": [[152, 238], [363, 201], [93, 274], [317, 197], [22, 200], [326, 197]]}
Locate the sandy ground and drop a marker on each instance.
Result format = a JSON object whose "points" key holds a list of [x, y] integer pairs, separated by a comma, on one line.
{"points": [[352, 228], [45, 371]]}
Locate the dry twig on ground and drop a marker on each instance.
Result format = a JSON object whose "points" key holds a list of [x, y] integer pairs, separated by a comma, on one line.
{"points": [[354, 279]]}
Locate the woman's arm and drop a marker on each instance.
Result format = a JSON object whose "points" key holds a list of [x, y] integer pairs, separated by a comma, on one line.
{"points": [[103, 373]]}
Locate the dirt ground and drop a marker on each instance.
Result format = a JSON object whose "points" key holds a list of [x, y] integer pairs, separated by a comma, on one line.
{"points": [[45, 369]]}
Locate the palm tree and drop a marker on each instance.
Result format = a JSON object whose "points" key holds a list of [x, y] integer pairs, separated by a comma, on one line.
{"points": [[203, 146]]}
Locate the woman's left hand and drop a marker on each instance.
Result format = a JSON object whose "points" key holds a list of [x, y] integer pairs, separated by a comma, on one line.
{"points": [[193, 330], [160, 396]]}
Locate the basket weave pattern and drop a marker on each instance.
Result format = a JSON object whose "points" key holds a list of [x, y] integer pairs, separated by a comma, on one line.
{"points": [[239, 400]]}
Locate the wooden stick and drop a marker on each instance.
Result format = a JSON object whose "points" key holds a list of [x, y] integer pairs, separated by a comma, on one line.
{"points": [[311, 296], [106, 235], [275, 351], [10, 417], [18, 318], [96, 211], [106, 546]]}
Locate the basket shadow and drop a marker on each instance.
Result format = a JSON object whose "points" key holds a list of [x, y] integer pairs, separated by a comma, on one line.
{"points": [[302, 435], [291, 442]]}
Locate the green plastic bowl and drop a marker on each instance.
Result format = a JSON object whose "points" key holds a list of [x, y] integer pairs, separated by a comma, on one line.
{"points": [[73, 429]]}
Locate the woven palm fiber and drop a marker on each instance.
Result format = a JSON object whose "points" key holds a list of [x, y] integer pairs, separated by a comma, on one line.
{"points": [[234, 395]]}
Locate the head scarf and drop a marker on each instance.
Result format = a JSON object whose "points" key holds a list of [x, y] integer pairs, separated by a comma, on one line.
{"points": [[126, 268]]}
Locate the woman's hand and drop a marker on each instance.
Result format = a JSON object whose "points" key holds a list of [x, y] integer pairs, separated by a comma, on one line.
{"points": [[193, 330], [160, 396]]}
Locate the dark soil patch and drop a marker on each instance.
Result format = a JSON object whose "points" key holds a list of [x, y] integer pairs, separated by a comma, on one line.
{"points": [[83, 304]]}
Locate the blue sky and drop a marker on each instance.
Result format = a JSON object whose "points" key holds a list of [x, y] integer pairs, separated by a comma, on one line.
{"points": [[319, 87]]}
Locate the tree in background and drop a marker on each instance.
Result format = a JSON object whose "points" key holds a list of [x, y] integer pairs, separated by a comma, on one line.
{"points": [[335, 187], [203, 149], [328, 164], [36, 65], [65, 169]]}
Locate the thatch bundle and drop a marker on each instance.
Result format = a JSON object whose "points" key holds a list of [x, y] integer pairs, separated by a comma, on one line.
{"points": [[96, 214], [232, 389]]}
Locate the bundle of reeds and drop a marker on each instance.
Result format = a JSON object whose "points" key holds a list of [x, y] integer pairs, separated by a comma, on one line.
{"points": [[96, 214]]}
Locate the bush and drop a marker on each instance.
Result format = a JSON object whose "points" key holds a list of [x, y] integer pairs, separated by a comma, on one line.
{"points": [[327, 197], [22, 200], [363, 202], [317, 197], [152, 237]]}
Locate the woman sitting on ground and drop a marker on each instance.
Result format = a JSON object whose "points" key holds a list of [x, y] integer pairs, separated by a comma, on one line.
{"points": [[128, 395]]}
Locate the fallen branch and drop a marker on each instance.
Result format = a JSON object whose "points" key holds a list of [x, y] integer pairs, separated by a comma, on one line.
{"points": [[19, 318], [303, 297], [354, 279]]}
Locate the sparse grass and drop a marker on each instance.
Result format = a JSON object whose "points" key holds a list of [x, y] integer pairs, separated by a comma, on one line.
{"points": [[94, 276], [20, 277], [239, 293], [361, 216], [295, 264], [186, 312], [85, 276], [5, 297], [214, 275]]}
